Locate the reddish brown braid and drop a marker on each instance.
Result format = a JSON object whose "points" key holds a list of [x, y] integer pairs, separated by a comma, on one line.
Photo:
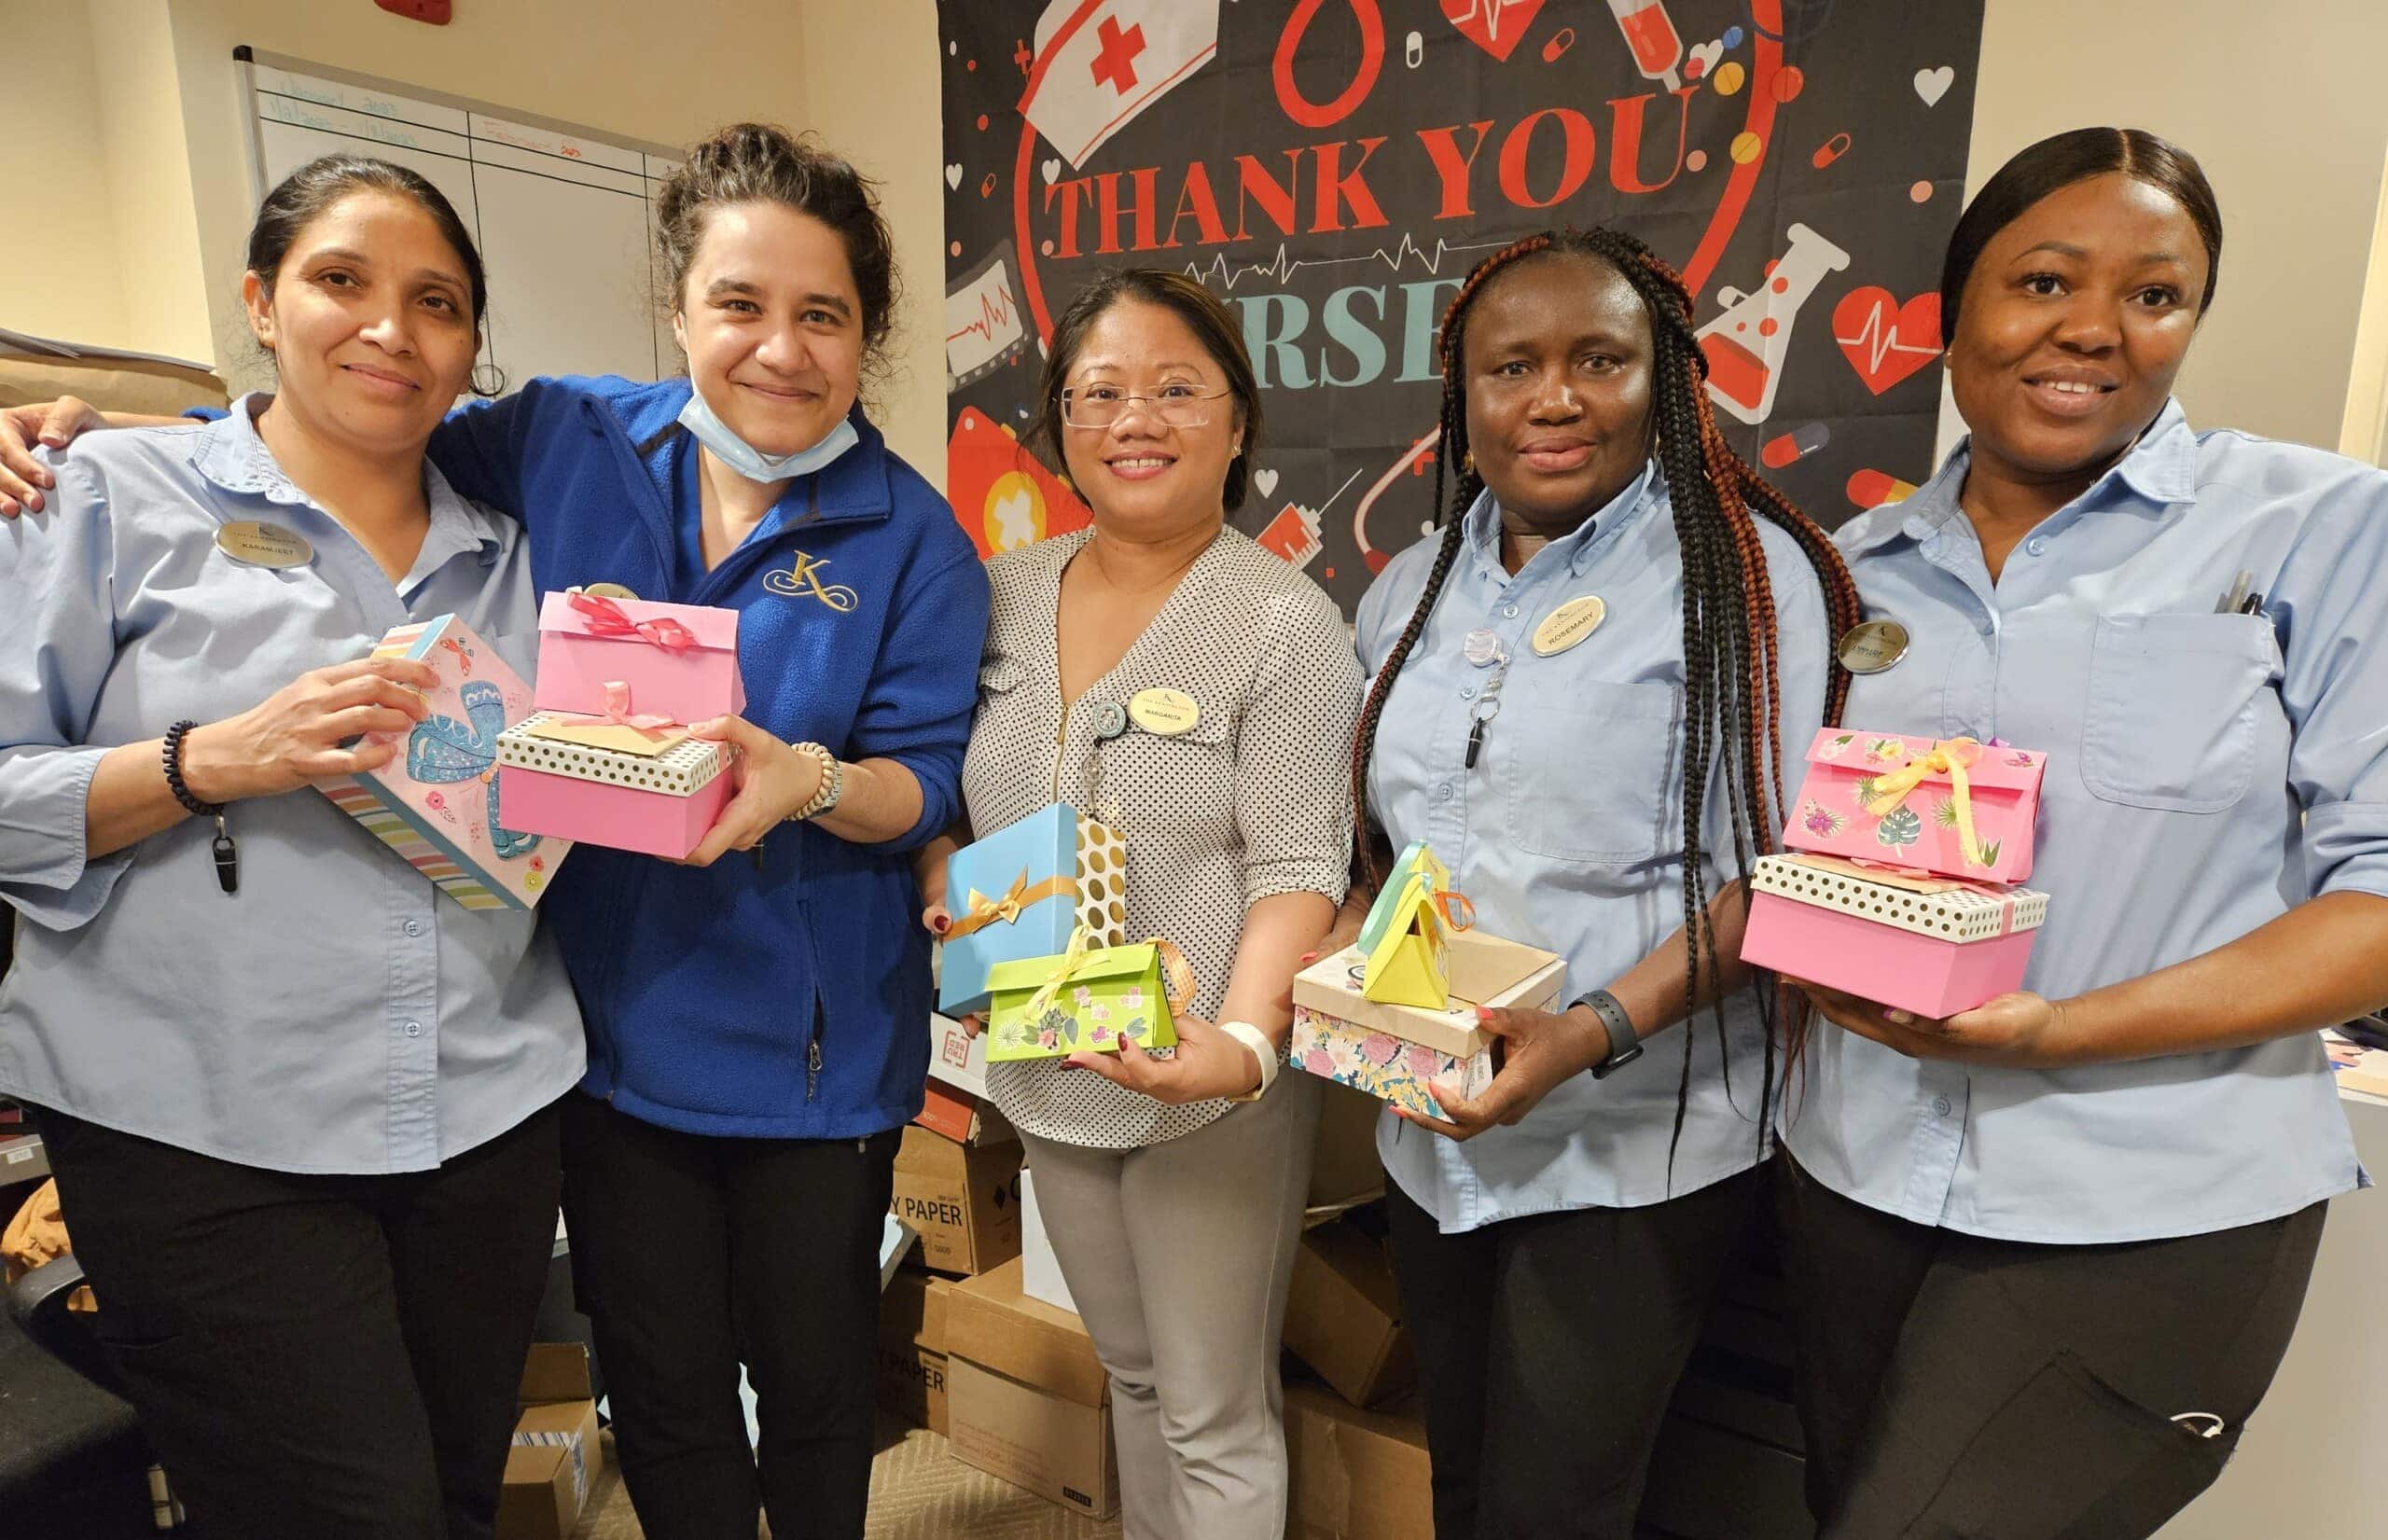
{"points": [[1730, 639]]}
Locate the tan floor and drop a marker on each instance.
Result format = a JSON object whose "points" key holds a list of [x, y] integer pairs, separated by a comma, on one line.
{"points": [[918, 1492]]}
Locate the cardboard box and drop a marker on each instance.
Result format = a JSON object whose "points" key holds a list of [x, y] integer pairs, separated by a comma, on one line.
{"points": [[912, 1349], [965, 1118], [1041, 1270], [555, 1458], [1345, 1168], [1396, 1051], [956, 1059], [963, 1199], [1026, 1398], [1355, 1474], [1344, 1316]]}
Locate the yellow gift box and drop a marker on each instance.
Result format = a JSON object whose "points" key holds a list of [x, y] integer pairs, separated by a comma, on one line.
{"points": [[1406, 940]]}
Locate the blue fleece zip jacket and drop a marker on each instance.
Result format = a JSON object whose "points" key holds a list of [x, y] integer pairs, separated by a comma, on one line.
{"points": [[789, 1000]]}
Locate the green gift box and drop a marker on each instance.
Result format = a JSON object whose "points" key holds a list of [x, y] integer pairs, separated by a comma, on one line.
{"points": [[1086, 999]]}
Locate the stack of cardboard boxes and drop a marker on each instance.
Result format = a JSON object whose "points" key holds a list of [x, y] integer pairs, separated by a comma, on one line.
{"points": [[982, 1344]]}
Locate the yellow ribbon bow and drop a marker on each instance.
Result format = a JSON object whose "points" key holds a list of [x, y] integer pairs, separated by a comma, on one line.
{"points": [[984, 911], [1073, 957], [1948, 758]]}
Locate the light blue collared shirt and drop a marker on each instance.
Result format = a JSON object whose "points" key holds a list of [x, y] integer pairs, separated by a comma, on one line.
{"points": [[2205, 773], [339, 1014], [1567, 836]]}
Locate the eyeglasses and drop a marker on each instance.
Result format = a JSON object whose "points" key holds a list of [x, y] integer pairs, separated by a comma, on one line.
{"points": [[1100, 405]]}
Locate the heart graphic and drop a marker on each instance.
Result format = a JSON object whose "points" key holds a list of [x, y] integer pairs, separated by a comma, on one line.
{"points": [[1493, 25], [1705, 55], [1265, 480], [1051, 169], [1884, 341], [1932, 85], [953, 175]]}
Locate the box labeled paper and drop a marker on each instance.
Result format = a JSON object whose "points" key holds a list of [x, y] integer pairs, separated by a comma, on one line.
{"points": [[1089, 1001], [1026, 1398], [1394, 1052], [963, 1199], [1021, 891], [437, 803], [1928, 945], [608, 759], [1953, 806], [912, 1349]]}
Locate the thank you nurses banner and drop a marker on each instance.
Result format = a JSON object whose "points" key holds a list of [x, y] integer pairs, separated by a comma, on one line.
{"points": [[1332, 168]]}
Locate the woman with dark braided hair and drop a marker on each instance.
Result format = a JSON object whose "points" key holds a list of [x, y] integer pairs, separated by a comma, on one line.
{"points": [[1580, 693]]}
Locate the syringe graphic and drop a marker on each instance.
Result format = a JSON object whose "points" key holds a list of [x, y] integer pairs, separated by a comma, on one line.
{"points": [[1746, 344], [1650, 32]]}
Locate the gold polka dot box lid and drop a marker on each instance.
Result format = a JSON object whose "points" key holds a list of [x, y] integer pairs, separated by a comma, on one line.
{"points": [[1943, 909], [667, 761]]}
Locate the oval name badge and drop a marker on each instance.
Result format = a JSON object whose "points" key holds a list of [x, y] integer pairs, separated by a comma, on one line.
{"points": [[609, 590], [1569, 624], [1165, 713], [1872, 646], [262, 544]]}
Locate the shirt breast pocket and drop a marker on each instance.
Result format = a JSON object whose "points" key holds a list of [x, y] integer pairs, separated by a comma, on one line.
{"points": [[1587, 776], [1186, 779], [2171, 710]]}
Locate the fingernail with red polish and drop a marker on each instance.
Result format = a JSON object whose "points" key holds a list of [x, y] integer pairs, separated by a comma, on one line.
{"points": [[1483, 1014]]}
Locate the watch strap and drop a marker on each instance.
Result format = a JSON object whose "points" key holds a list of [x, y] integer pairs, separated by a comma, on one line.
{"points": [[1624, 1043]]}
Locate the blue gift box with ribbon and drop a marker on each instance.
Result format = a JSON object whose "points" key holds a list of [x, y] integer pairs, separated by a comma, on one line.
{"points": [[1020, 892]]}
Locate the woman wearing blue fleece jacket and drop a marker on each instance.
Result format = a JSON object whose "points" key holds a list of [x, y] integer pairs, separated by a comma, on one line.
{"points": [[756, 1025]]}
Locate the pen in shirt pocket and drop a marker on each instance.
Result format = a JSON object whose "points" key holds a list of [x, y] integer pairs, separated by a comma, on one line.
{"points": [[2235, 597]]}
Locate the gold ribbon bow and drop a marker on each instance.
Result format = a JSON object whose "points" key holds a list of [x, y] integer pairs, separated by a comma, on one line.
{"points": [[1177, 973], [984, 911], [1948, 758]]}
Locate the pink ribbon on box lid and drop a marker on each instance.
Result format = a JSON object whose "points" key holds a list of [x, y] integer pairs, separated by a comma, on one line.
{"points": [[601, 617]]}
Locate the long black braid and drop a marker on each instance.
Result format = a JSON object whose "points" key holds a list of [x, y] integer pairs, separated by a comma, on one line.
{"points": [[1732, 688]]}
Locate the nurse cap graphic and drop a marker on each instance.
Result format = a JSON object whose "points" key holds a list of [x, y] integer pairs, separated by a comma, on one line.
{"points": [[1100, 66]]}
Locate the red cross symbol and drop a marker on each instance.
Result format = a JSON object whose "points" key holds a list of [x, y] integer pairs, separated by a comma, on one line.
{"points": [[1020, 56], [1115, 65]]}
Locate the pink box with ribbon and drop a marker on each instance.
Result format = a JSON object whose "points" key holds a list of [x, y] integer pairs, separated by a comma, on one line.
{"points": [[606, 759], [1952, 806], [1930, 945]]}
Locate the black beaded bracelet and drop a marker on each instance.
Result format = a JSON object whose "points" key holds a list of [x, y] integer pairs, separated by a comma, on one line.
{"points": [[227, 854]]}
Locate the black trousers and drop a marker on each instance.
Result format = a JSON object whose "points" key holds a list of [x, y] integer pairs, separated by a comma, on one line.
{"points": [[317, 1356], [1549, 1347], [1957, 1388], [693, 1255]]}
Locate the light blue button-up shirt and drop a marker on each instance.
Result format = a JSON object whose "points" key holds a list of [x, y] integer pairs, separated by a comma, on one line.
{"points": [[2206, 773], [338, 1013], [1567, 835]]}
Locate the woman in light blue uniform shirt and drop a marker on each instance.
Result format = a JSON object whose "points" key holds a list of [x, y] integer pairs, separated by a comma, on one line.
{"points": [[1580, 692], [2050, 1252], [299, 1103]]}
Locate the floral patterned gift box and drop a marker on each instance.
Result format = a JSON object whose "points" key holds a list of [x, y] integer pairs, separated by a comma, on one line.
{"points": [[1086, 1000], [1951, 806], [1394, 1052]]}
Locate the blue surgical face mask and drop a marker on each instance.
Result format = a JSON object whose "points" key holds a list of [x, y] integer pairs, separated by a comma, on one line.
{"points": [[753, 464]]}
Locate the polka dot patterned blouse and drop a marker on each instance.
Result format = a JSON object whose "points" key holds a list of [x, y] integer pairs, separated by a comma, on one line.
{"points": [[1252, 799]]}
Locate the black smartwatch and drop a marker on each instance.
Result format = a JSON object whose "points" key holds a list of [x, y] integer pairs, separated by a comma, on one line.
{"points": [[1624, 1046]]}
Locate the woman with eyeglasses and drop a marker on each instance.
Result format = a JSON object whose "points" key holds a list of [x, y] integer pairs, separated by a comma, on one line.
{"points": [[1172, 1187]]}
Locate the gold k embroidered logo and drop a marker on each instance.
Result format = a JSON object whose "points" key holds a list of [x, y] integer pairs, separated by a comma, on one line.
{"points": [[803, 581]]}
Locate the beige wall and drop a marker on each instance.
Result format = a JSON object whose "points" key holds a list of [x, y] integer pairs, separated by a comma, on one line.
{"points": [[2290, 125], [58, 273]]}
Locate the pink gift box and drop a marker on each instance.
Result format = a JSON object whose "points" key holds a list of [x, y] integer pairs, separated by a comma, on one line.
{"points": [[679, 661], [1923, 944], [1846, 771], [656, 806]]}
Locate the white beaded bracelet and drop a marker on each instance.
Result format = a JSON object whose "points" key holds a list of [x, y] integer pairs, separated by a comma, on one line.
{"points": [[1258, 1041]]}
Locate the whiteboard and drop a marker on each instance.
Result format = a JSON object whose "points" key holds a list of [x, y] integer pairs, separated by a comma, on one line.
{"points": [[564, 216]]}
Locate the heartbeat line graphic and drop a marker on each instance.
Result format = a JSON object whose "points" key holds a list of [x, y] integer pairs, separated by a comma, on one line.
{"points": [[1879, 337], [1283, 266], [994, 310], [1491, 10]]}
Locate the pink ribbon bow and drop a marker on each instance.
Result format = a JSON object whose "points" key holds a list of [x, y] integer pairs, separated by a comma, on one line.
{"points": [[617, 708], [601, 617]]}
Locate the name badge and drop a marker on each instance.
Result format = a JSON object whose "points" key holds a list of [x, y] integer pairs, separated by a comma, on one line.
{"points": [[259, 544], [1872, 646], [1569, 624], [609, 590], [1165, 713]]}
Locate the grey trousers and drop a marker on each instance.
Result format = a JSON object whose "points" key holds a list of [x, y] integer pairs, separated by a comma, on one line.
{"points": [[1178, 1255]]}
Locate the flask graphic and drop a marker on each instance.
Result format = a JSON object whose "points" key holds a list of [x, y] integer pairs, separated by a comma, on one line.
{"points": [[1746, 344]]}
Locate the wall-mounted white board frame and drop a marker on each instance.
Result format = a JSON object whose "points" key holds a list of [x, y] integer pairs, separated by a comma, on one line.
{"points": [[564, 214]]}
